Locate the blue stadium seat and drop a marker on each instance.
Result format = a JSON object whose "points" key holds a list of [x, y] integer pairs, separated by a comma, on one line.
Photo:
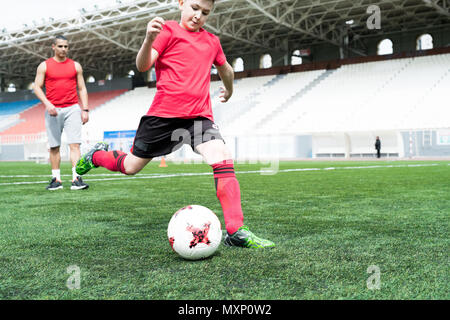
{"points": [[10, 108]]}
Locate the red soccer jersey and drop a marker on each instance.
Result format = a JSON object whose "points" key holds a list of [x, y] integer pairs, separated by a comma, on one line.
{"points": [[183, 72], [61, 83]]}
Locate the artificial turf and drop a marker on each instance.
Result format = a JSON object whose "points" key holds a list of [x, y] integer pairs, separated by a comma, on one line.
{"points": [[330, 221]]}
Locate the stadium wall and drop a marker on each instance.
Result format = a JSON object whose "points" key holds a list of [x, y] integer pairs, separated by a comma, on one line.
{"points": [[402, 42], [426, 143], [23, 95], [327, 64], [345, 145], [110, 85], [11, 152], [406, 42], [354, 145]]}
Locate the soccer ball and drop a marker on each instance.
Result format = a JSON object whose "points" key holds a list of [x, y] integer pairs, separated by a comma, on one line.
{"points": [[194, 232]]}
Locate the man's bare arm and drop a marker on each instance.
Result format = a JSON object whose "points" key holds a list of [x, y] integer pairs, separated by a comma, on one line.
{"points": [[38, 85], [82, 91]]}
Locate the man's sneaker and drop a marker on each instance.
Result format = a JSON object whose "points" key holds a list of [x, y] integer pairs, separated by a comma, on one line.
{"points": [[78, 184], [245, 238], [54, 185], [85, 163]]}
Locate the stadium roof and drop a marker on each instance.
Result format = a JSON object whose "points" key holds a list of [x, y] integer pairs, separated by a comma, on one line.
{"points": [[108, 39]]}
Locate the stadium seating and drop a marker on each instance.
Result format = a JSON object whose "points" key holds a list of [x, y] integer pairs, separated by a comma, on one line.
{"points": [[271, 96], [341, 109], [9, 112], [286, 105], [334, 105], [245, 95], [32, 120], [122, 113], [10, 108], [432, 108], [386, 95], [395, 104]]}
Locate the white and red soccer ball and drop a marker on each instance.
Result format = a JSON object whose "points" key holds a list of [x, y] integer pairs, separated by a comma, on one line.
{"points": [[194, 232]]}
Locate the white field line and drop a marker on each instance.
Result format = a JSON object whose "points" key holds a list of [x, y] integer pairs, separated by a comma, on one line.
{"points": [[67, 175], [118, 176]]}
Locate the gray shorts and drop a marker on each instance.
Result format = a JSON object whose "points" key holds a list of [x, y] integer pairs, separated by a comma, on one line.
{"points": [[69, 119]]}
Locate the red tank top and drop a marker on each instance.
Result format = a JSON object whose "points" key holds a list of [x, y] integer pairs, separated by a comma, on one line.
{"points": [[61, 83]]}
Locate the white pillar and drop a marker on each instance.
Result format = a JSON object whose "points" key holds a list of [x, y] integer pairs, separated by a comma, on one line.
{"points": [[348, 145]]}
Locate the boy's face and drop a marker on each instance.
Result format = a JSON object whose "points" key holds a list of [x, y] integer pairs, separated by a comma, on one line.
{"points": [[194, 13]]}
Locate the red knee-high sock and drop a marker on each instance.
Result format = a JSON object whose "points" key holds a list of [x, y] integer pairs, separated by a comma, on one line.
{"points": [[111, 160], [229, 195]]}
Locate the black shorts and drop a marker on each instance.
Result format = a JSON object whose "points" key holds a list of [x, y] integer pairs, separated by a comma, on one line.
{"points": [[157, 136]]}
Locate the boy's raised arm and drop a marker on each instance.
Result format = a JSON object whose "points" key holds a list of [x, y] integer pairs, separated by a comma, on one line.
{"points": [[147, 56]]}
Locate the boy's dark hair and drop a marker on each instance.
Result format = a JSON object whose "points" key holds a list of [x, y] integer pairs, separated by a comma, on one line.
{"points": [[60, 37]]}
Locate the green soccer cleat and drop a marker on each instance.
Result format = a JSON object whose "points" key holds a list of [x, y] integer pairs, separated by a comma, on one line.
{"points": [[85, 163], [245, 238]]}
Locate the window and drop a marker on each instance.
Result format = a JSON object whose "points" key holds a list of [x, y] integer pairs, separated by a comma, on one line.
{"points": [[295, 58], [265, 62], [90, 79], [385, 47], [238, 65], [11, 87], [131, 73], [424, 42]]}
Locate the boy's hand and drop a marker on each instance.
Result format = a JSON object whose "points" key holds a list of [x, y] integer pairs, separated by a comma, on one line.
{"points": [[224, 95], [154, 27]]}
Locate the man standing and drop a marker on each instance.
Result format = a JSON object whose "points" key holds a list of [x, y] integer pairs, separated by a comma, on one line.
{"points": [[378, 146], [62, 112]]}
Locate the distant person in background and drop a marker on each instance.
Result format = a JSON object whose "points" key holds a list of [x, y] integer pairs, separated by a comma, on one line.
{"points": [[378, 146], [61, 76]]}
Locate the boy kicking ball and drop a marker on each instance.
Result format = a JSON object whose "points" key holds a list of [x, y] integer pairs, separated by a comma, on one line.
{"points": [[181, 111]]}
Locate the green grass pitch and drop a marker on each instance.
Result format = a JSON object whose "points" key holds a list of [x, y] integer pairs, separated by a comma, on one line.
{"points": [[343, 230]]}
